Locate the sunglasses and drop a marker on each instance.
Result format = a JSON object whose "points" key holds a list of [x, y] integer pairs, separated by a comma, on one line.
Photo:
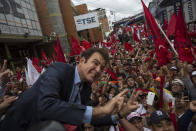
{"points": [[143, 96]]}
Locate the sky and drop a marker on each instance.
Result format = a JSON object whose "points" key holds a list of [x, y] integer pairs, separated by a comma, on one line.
{"points": [[121, 8]]}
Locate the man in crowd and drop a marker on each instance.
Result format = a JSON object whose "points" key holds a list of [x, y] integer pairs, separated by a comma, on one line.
{"points": [[62, 93], [136, 119], [160, 121]]}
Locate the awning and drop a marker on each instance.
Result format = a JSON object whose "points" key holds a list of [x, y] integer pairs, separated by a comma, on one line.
{"points": [[7, 38]]}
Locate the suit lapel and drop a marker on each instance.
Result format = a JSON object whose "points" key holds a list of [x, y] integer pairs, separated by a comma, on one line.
{"points": [[68, 82]]}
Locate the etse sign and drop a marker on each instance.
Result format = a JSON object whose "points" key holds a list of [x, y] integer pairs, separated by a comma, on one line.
{"points": [[86, 21]]}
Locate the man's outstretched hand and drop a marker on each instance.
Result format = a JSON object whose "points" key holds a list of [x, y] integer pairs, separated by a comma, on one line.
{"points": [[112, 107]]}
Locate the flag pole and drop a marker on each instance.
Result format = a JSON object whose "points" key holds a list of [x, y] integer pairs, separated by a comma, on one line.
{"points": [[167, 38]]}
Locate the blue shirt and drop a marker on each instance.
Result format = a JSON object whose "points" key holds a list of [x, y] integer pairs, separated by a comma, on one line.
{"points": [[75, 98]]}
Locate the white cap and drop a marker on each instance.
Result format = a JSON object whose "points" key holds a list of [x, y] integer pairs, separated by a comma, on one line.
{"points": [[133, 114], [194, 73], [173, 68], [175, 81]]}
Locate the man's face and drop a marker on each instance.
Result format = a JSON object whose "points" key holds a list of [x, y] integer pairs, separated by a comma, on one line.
{"points": [[176, 88], [120, 79], [190, 67], [130, 81], [91, 69], [194, 79], [163, 125], [138, 123], [179, 102]]}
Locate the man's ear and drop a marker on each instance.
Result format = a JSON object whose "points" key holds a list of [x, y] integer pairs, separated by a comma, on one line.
{"points": [[82, 59]]}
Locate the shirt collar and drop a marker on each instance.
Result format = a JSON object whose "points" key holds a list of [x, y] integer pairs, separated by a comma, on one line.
{"points": [[77, 77]]}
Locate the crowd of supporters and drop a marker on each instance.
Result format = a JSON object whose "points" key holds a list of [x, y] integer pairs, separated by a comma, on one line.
{"points": [[135, 68]]}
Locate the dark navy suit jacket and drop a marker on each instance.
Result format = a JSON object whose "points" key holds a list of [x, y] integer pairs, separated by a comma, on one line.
{"points": [[48, 100]]}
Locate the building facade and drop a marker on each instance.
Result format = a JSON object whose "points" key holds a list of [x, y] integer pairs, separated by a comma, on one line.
{"points": [[163, 9], [27, 26], [20, 31], [103, 20]]}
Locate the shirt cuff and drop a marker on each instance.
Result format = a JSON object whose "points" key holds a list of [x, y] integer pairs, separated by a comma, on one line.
{"points": [[114, 120], [88, 115]]}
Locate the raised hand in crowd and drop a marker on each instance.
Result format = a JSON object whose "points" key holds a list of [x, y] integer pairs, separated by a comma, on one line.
{"points": [[4, 67], [131, 105], [4, 71], [7, 101], [4, 77]]}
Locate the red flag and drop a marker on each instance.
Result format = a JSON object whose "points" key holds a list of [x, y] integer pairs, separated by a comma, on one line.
{"points": [[113, 50], [112, 74], [46, 61], [18, 75], [160, 47], [60, 54], [163, 55], [44, 55], [127, 29], [75, 47], [165, 24], [135, 37], [128, 47], [54, 56], [35, 62], [192, 34], [161, 102], [151, 53], [182, 42], [151, 23], [70, 127], [86, 44], [172, 25], [172, 115], [147, 59], [108, 44], [55, 48]]}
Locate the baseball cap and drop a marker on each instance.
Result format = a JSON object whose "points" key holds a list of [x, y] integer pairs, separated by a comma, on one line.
{"points": [[177, 81], [157, 116], [133, 115], [173, 68], [194, 73]]}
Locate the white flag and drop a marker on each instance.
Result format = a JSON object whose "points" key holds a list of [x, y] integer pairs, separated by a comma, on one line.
{"points": [[27, 77], [138, 34], [100, 45], [32, 72]]}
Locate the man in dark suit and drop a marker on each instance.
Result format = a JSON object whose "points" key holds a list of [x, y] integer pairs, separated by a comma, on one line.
{"points": [[62, 93]]}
